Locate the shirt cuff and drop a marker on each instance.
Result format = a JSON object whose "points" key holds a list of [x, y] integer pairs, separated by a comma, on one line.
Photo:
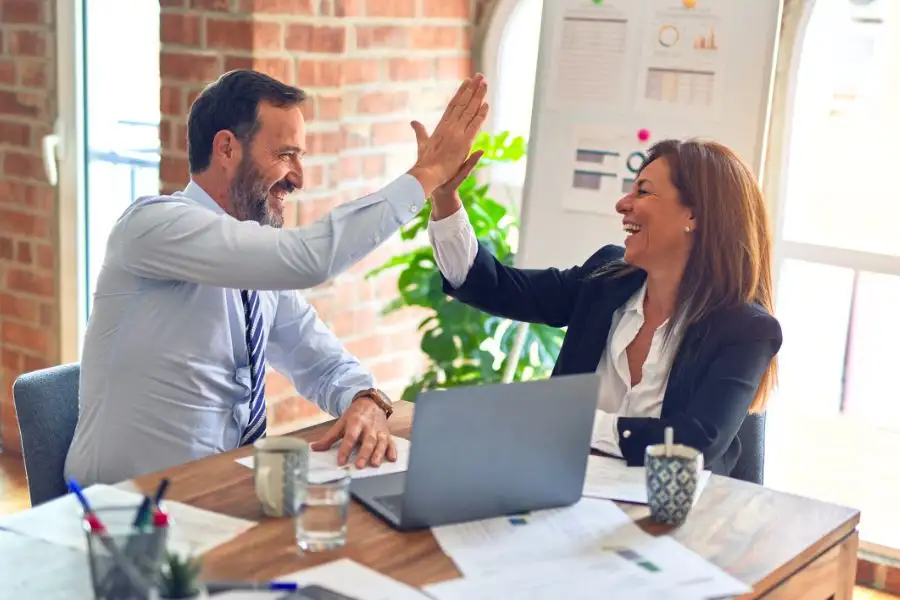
{"points": [[605, 436], [450, 226], [406, 197]]}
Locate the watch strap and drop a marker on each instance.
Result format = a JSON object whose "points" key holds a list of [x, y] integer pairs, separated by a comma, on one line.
{"points": [[378, 397]]}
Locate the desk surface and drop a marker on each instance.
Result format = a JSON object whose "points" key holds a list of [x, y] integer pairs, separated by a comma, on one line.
{"points": [[761, 536]]}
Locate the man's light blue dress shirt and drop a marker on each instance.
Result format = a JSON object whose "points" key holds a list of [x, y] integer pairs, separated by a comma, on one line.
{"points": [[165, 377]]}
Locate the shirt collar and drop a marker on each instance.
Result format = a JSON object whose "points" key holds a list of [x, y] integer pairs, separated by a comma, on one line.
{"points": [[199, 195], [636, 302]]}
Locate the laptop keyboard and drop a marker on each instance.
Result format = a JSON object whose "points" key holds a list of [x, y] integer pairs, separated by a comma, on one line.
{"points": [[393, 503]]}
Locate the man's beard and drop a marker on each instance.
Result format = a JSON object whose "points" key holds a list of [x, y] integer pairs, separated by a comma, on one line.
{"points": [[250, 196]]}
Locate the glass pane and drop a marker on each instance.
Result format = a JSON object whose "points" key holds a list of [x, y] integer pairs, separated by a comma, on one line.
{"points": [[516, 64], [844, 124], [121, 91]]}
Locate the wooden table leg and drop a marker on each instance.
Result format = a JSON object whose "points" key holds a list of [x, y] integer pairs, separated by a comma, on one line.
{"points": [[847, 567]]}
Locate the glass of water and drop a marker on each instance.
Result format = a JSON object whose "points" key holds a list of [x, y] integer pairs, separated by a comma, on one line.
{"points": [[324, 501]]}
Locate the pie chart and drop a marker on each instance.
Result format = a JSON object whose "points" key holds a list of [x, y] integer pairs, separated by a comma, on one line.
{"points": [[668, 36]]}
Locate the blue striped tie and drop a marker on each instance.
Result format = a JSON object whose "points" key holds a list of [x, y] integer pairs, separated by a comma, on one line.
{"points": [[256, 349]]}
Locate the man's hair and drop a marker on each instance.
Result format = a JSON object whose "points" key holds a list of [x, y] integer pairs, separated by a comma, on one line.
{"points": [[232, 103]]}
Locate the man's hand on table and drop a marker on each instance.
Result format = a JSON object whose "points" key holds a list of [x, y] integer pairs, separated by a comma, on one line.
{"points": [[363, 423]]}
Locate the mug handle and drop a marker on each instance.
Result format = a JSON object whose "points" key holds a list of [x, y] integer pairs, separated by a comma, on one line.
{"points": [[262, 484]]}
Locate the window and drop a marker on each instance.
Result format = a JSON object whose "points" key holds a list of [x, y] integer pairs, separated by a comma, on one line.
{"points": [[511, 60]]}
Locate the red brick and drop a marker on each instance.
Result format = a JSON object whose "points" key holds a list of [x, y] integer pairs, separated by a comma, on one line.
{"points": [[23, 224], [323, 142], [22, 11], [310, 38], [29, 282], [313, 178], [173, 3], [410, 69], [453, 67], [328, 108], [17, 307], [382, 36], [314, 73], [20, 104], [349, 167], [347, 8], [179, 66], [27, 42], [171, 101], [392, 8], [448, 9], [361, 71], [7, 71], [180, 29], [436, 38], [33, 74], [288, 7], [14, 134], [374, 166], [46, 256], [281, 69], [173, 170], [212, 5], [382, 102], [23, 165], [370, 346], [25, 337], [6, 248], [23, 253], [243, 35]]}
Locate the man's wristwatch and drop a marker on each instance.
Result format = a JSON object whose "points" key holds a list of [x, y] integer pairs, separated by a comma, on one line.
{"points": [[379, 398]]}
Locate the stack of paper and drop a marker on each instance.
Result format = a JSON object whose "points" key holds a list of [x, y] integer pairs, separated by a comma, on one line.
{"points": [[612, 479], [64, 573], [341, 579], [193, 530], [328, 458], [589, 533]]}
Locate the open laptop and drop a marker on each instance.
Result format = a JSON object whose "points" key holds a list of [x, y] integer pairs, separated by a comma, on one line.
{"points": [[490, 450]]}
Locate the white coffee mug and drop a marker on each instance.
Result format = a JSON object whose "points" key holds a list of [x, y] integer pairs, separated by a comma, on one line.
{"points": [[279, 463]]}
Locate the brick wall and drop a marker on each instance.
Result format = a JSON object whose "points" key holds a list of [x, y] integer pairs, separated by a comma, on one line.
{"points": [[369, 66], [29, 304]]}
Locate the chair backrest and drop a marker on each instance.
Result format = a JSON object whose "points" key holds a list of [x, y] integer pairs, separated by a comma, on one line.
{"points": [[751, 463], [47, 410]]}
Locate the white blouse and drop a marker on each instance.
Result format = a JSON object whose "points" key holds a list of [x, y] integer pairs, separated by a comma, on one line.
{"points": [[455, 247]]}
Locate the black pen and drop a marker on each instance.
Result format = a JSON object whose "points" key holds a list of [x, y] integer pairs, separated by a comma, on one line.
{"points": [[160, 491]]}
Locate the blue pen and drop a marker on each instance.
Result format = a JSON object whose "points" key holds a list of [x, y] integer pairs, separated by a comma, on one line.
{"points": [[216, 587], [76, 489], [160, 492]]}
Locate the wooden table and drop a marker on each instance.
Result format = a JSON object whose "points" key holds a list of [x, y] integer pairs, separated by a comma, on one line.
{"points": [[785, 546]]}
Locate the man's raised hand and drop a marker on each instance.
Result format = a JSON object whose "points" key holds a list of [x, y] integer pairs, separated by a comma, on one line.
{"points": [[442, 154]]}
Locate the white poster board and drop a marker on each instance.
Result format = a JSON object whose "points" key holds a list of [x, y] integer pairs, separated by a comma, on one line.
{"points": [[615, 76]]}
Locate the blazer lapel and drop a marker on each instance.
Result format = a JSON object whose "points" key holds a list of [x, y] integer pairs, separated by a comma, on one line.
{"points": [[607, 295]]}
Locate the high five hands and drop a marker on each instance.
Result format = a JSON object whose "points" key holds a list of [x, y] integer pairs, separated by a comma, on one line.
{"points": [[444, 155]]}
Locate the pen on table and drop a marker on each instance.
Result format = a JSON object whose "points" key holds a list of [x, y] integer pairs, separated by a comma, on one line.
{"points": [[140, 519], [215, 587]]}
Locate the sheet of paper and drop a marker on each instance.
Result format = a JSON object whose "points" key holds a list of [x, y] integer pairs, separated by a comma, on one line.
{"points": [[612, 479], [328, 458], [608, 576], [64, 572], [59, 521], [586, 530], [343, 576]]}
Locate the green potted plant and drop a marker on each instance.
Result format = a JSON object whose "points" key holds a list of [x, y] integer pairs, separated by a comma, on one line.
{"points": [[179, 578], [465, 346]]}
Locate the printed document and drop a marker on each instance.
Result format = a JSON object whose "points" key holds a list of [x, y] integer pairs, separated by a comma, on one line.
{"points": [[63, 573], [586, 530], [607, 576], [192, 530], [612, 479], [341, 579], [328, 458]]}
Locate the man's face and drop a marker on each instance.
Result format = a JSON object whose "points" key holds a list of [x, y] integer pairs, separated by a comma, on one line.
{"points": [[269, 167]]}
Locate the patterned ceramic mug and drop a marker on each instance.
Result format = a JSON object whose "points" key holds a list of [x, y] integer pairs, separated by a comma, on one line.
{"points": [[672, 474]]}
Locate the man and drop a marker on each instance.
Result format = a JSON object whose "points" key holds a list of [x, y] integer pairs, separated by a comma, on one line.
{"points": [[196, 290]]}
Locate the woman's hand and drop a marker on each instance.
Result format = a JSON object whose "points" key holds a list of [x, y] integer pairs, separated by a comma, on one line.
{"points": [[445, 199]]}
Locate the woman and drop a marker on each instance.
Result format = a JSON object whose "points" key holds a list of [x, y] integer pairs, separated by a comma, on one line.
{"points": [[678, 323]]}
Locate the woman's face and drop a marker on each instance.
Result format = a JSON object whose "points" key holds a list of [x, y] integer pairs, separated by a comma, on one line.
{"points": [[658, 227]]}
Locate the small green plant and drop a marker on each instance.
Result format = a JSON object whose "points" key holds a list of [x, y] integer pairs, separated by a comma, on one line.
{"points": [[179, 577], [464, 345]]}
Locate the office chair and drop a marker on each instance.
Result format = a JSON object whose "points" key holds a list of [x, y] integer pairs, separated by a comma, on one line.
{"points": [[751, 463], [47, 411]]}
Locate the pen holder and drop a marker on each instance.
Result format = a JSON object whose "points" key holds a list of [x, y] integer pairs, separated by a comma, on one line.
{"points": [[124, 560]]}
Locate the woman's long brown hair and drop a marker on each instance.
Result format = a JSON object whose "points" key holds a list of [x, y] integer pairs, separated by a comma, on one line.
{"points": [[730, 262]]}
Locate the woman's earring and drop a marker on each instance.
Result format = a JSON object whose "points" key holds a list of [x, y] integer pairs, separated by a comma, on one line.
{"points": [[687, 228]]}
